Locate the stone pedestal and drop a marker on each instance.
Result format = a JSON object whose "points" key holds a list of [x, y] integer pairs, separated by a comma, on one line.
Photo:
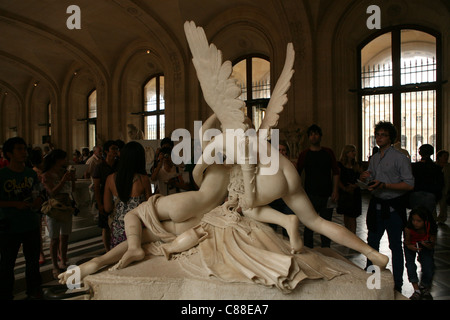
{"points": [[85, 218], [158, 279], [84, 225]]}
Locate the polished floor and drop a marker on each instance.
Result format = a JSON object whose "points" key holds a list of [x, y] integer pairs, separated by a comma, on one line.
{"points": [[441, 282]]}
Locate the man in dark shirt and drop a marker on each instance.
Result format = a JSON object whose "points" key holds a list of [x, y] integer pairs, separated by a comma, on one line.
{"points": [[428, 180], [101, 172], [19, 220], [321, 180]]}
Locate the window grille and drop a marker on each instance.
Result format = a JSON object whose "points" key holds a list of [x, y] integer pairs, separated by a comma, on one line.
{"points": [[376, 76], [253, 77], [418, 70], [92, 120], [154, 106], [399, 83], [419, 110]]}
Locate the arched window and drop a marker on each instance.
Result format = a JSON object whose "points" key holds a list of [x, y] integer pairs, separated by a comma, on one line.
{"points": [[92, 119], [253, 76], [153, 108], [400, 82]]}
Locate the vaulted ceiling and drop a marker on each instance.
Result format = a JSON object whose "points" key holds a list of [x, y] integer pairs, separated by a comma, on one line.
{"points": [[36, 46]]}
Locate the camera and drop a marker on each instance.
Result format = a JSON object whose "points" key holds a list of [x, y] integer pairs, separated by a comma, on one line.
{"points": [[166, 152]]}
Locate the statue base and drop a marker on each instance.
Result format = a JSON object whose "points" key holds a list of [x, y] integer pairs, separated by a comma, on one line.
{"points": [[155, 278]]}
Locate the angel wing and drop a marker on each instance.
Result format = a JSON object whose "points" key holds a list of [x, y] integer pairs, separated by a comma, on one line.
{"points": [[279, 97], [219, 90]]}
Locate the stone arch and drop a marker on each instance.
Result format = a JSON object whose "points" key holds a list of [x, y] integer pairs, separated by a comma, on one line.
{"points": [[45, 83], [61, 115], [140, 61], [39, 98], [71, 114], [343, 28], [249, 30], [11, 104], [238, 32]]}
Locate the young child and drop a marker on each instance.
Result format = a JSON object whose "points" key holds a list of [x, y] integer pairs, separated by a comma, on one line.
{"points": [[420, 238]]}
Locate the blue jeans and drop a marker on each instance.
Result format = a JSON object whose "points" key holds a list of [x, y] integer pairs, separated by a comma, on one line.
{"points": [[426, 260], [394, 226], [424, 199]]}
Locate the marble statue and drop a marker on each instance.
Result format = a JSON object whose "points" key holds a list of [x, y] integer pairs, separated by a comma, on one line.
{"points": [[134, 133], [226, 217]]}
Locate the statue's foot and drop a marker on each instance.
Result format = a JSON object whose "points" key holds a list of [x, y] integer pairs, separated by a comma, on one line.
{"points": [[84, 270], [63, 277], [165, 248], [378, 259], [130, 256], [294, 234]]}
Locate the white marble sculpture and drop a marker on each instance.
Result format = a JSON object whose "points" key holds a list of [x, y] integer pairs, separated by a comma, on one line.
{"points": [[232, 199], [134, 133]]}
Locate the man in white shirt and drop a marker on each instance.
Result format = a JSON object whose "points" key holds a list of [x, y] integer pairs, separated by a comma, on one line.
{"points": [[390, 178], [93, 161]]}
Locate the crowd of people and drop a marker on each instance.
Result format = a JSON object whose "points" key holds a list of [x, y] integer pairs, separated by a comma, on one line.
{"points": [[397, 187], [36, 191], [404, 198], [37, 186]]}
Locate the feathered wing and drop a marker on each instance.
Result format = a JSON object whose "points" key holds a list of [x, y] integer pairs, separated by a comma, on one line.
{"points": [[279, 98], [219, 90]]}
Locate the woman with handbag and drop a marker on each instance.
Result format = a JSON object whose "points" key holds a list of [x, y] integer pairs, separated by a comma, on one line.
{"points": [[59, 184]]}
